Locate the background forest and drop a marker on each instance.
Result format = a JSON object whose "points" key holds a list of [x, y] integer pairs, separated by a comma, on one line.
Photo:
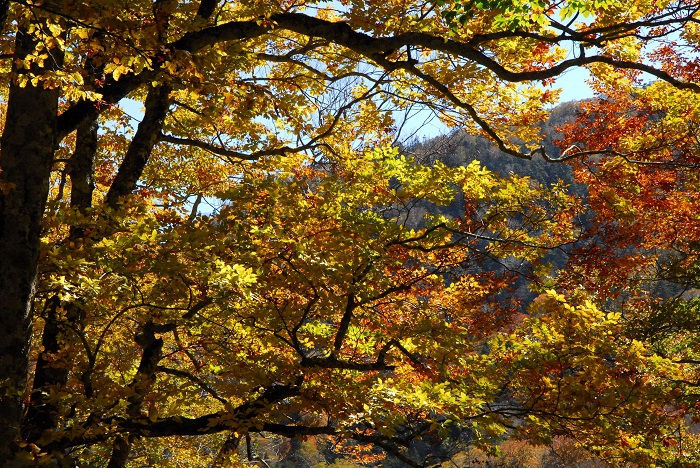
{"points": [[456, 447], [261, 267]]}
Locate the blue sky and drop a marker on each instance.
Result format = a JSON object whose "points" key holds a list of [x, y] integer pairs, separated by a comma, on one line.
{"points": [[573, 88], [573, 85]]}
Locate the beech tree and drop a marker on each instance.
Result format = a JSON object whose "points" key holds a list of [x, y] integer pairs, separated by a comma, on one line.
{"points": [[327, 293]]}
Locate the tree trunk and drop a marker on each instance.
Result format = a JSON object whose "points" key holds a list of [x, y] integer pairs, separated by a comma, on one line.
{"points": [[42, 415], [141, 146], [27, 146]]}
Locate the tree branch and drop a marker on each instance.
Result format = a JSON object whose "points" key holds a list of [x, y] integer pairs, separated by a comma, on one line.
{"points": [[341, 33], [331, 362], [144, 141], [91, 432], [373, 48]]}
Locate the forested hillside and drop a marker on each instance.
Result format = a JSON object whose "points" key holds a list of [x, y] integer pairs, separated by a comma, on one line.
{"points": [[458, 445], [460, 148]]}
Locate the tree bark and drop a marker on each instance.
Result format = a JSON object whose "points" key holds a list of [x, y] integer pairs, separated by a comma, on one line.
{"points": [[42, 415], [142, 383], [144, 141], [229, 448], [81, 167], [206, 8], [120, 452], [27, 145]]}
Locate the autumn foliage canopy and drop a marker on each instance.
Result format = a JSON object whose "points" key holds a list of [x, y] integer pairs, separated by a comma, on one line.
{"points": [[214, 230]]}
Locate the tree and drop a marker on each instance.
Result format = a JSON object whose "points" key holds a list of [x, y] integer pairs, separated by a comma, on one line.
{"points": [[643, 200], [129, 316]]}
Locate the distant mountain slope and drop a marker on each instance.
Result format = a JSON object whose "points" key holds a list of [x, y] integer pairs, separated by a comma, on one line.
{"points": [[461, 148]]}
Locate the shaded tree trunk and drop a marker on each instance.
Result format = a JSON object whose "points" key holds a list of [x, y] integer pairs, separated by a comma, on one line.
{"points": [[27, 145], [42, 415], [144, 379], [141, 146], [227, 450]]}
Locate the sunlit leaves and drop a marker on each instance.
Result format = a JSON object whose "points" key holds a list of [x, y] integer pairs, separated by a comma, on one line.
{"points": [[575, 368], [279, 263], [261, 289]]}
